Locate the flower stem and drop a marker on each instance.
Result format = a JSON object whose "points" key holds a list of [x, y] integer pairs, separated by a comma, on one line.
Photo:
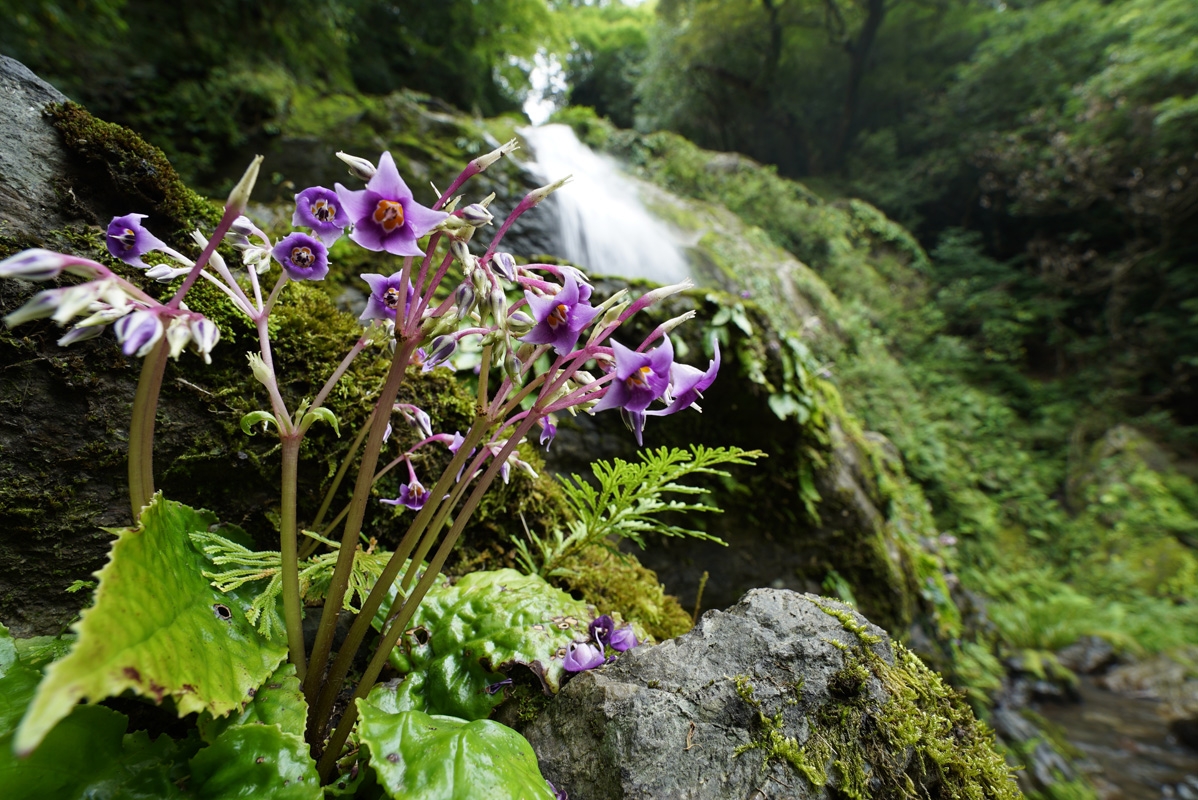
{"points": [[141, 428], [333, 750], [288, 547], [353, 523], [357, 632]]}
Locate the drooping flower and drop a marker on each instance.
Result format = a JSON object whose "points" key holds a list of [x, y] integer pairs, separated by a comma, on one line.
{"points": [[385, 215], [601, 628], [411, 494], [561, 318], [204, 335], [581, 656], [688, 383], [138, 332], [640, 378], [304, 258], [623, 639], [128, 239], [321, 210], [387, 293], [548, 432]]}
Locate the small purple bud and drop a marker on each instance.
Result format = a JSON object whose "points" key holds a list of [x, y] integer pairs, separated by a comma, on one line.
{"points": [[464, 298], [581, 656], [242, 226], [358, 167], [138, 332], [80, 333], [423, 423], [505, 265], [623, 639], [477, 215], [439, 351]]}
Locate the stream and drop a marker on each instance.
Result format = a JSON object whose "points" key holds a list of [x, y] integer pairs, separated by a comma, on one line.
{"points": [[1126, 746]]}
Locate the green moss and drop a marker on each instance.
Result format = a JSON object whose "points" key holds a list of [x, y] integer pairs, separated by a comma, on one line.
{"points": [[922, 740], [620, 584]]}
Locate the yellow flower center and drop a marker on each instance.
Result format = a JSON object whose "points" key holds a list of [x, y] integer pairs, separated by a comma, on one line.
{"points": [[389, 214], [324, 211], [302, 257], [637, 379], [557, 317], [391, 297]]}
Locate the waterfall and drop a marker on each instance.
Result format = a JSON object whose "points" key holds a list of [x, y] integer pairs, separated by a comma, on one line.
{"points": [[603, 225]]}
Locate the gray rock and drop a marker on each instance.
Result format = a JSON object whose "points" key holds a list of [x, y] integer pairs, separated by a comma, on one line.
{"points": [[782, 695], [32, 156]]}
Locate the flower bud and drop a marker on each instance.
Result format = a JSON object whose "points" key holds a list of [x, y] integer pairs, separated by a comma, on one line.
{"points": [[439, 351], [497, 303], [461, 251], [80, 333], [165, 274], [514, 368], [34, 265], [464, 298], [505, 265], [537, 195], [40, 306], [205, 335], [519, 323], [671, 324], [484, 161], [259, 368], [477, 215], [358, 167], [178, 334], [661, 293], [242, 227], [239, 198], [138, 332], [76, 299]]}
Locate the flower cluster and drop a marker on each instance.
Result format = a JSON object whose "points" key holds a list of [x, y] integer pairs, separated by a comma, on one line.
{"points": [[581, 656]]}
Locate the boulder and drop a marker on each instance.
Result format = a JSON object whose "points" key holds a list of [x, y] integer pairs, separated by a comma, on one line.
{"points": [[782, 695]]}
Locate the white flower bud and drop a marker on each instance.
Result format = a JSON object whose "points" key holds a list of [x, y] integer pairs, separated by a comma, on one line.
{"points": [[205, 335], [40, 306], [34, 265], [477, 215], [505, 265], [74, 300], [358, 167], [138, 332], [497, 303], [671, 324], [79, 333], [514, 369], [178, 334], [164, 274], [519, 323], [537, 195], [484, 161], [258, 367]]}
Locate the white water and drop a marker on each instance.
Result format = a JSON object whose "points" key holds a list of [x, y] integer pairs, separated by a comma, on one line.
{"points": [[604, 227]]}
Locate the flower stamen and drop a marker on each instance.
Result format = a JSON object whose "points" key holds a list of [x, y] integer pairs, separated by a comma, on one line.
{"points": [[323, 210], [302, 257], [558, 316], [391, 297], [389, 214]]}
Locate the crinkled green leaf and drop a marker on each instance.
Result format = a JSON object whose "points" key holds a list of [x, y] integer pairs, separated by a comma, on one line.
{"points": [[324, 415], [465, 635], [279, 701], [255, 761], [254, 417], [87, 756], [442, 758], [157, 628]]}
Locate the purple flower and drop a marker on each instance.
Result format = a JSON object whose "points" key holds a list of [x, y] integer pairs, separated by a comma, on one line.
{"points": [[561, 318], [601, 628], [411, 494], [138, 332], [128, 240], [384, 214], [640, 378], [581, 656], [321, 210], [687, 384], [303, 257], [386, 294], [548, 432], [623, 639]]}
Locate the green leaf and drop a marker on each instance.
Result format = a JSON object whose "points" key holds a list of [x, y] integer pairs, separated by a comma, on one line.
{"points": [[322, 414], [279, 702], [256, 760], [157, 628], [465, 636], [254, 417], [442, 758], [87, 755], [41, 650]]}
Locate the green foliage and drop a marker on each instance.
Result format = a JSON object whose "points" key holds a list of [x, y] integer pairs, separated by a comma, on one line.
{"points": [[466, 635], [255, 760], [627, 502], [608, 46], [442, 758], [152, 631]]}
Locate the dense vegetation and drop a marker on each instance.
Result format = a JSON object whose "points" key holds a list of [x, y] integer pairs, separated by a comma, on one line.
{"points": [[1043, 152]]}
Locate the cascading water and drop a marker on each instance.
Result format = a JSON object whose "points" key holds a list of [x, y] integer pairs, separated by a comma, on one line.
{"points": [[604, 226]]}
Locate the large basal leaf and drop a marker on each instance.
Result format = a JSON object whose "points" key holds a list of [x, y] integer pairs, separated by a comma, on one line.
{"points": [[464, 636], [87, 755], [255, 761], [157, 628], [416, 755]]}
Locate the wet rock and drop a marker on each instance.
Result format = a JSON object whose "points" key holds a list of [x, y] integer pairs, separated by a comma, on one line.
{"points": [[782, 694], [1087, 655]]}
